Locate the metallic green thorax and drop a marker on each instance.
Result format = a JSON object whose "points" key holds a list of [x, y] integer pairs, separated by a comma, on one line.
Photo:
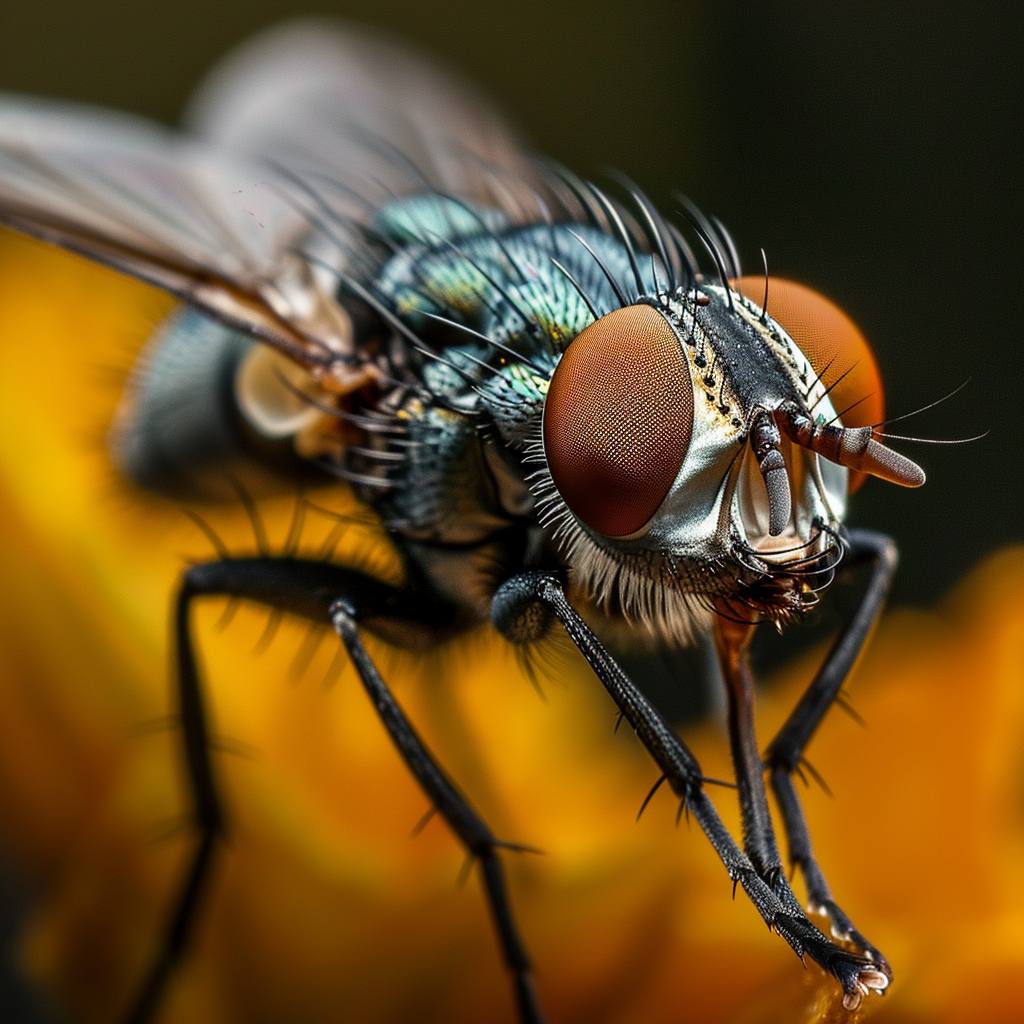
{"points": [[487, 300]]}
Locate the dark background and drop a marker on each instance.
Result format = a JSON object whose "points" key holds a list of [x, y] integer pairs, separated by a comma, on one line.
{"points": [[873, 149]]}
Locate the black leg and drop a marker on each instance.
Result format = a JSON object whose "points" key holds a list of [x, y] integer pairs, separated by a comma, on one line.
{"points": [[732, 640], [311, 589], [786, 750], [208, 814], [452, 806], [521, 610]]}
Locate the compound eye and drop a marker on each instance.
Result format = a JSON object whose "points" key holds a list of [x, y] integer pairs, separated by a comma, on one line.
{"points": [[833, 345], [618, 419]]}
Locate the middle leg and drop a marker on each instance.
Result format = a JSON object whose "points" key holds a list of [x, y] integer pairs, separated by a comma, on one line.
{"points": [[463, 820]]}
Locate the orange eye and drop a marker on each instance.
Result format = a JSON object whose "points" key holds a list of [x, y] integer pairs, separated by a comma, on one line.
{"points": [[618, 419], [826, 335]]}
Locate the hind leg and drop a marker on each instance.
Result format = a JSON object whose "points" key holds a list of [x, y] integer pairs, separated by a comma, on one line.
{"points": [[342, 597]]}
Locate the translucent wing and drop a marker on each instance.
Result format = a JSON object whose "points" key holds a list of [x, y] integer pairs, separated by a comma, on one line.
{"points": [[208, 226], [299, 137], [364, 117]]}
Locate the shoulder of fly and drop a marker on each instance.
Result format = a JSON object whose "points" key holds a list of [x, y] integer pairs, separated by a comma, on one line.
{"points": [[511, 366]]}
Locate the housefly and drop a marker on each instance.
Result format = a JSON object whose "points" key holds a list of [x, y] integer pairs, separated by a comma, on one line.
{"points": [[563, 418]]}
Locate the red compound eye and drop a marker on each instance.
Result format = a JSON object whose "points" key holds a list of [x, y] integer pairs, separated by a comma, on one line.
{"points": [[833, 346], [618, 419]]}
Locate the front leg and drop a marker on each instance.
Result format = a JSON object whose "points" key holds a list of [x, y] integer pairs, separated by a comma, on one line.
{"points": [[732, 642], [732, 638], [209, 814], [522, 610], [785, 752]]}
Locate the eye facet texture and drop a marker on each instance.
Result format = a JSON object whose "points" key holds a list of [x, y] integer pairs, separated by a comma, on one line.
{"points": [[618, 419], [834, 346]]}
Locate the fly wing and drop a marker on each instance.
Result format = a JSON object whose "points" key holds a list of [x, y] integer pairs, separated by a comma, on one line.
{"points": [[364, 119], [300, 136], [210, 227]]}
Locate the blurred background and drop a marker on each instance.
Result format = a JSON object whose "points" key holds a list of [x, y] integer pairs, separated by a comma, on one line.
{"points": [[874, 150]]}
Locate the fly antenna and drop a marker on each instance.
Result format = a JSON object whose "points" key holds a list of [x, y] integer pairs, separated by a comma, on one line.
{"points": [[852, 447]]}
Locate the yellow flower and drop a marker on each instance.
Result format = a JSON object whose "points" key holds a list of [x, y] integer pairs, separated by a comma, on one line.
{"points": [[324, 907]]}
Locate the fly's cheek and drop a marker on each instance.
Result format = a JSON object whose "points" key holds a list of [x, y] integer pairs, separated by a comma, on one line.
{"points": [[832, 344], [618, 419]]}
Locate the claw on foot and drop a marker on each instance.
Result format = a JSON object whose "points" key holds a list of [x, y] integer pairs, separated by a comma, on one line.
{"points": [[874, 980], [869, 980]]}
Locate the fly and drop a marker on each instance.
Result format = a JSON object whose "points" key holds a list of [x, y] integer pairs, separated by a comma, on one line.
{"points": [[559, 413]]}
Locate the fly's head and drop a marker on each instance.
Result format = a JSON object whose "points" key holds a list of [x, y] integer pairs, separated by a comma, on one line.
{"points": [[695, 453]]}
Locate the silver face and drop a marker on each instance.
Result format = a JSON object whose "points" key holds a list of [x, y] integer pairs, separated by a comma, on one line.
{"points": [[710, 535]]}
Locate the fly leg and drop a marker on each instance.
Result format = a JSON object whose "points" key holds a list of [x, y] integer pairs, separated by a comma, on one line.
{"points": [[785, 752], [732, 640], [523, 610], [312, 589], [209, 814], [470, 828]]}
